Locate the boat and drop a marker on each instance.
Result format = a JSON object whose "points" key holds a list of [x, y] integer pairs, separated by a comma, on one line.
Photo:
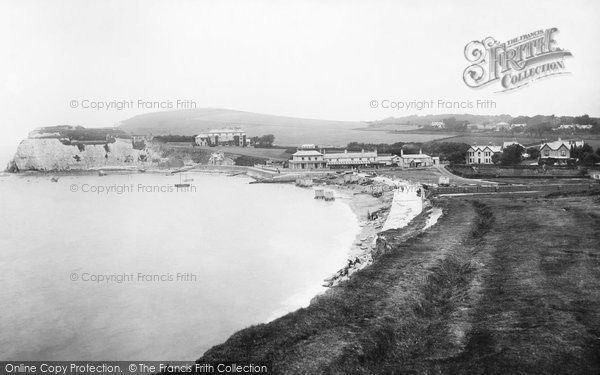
{"points": [[101, 173], [54, 179], [182, 185]]}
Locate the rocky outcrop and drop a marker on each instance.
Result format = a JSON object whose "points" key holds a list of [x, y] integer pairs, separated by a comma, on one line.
{"points": [[50, 154]]}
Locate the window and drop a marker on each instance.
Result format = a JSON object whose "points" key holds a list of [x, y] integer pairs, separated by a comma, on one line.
{"points": [[546, 153], [563, 153]]}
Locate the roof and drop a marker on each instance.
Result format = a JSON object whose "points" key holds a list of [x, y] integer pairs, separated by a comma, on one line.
{"points": [[347, 162], [351, 155], [387, 157], [490, 147], [558, 144], [415, 156], [307, 153]]}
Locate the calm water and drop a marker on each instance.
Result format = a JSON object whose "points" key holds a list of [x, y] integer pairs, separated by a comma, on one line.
{"points": [[256, 251]]}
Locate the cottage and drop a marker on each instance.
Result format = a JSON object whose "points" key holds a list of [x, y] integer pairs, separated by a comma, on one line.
{"points": [[482, 154], [560, 149], [388, 160], [417, 160]]}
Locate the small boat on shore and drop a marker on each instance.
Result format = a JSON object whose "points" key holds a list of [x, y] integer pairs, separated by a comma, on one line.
{"points": [[54, 179], [181, 184]]}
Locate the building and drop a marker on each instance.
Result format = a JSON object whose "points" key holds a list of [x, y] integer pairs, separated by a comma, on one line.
{"points": [[307, 159], [347, 159], [222, 137], [388, 160], [417, 160], [438, 124], [482, 154], [560, 149], [573, 127], [501, 126]]}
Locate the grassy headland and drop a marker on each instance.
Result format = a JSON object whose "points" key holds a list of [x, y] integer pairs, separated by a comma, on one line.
{"points": [[499, 285]]}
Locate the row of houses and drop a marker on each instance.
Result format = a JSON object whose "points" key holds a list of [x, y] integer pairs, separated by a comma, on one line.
{"points": [[306, 158], [560, 150]]}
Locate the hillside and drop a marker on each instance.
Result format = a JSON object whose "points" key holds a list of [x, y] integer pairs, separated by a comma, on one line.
{"points": [[428, 119], [288, 130]]}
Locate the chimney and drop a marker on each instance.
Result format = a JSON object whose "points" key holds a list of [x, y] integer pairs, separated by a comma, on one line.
{"points": [[345, 151], [401, 152], [420, 151], [362, 151]]}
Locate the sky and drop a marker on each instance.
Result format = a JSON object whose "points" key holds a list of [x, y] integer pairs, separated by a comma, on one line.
{"points": [[321, 59]]}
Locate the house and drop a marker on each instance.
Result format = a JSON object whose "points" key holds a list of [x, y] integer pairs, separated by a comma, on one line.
{"points": [[307, 159], [388, 159], [438, 124], [222, 137], [573, 127], [417, 160], [560, 149], [518, 126], [482, 154], [351, 159], [502, 126]]}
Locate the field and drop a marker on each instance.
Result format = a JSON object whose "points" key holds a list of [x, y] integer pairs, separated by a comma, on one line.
{"points": [[500, 285], [526, 140]]}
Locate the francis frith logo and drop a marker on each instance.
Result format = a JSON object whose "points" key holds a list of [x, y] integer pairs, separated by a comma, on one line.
{"points": [[515, 63]]}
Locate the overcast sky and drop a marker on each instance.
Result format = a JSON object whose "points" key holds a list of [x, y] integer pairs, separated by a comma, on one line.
{"points": [[316, 59]]}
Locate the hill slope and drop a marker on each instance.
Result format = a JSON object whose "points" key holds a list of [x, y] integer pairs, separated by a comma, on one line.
{"points": [[288, 130]]}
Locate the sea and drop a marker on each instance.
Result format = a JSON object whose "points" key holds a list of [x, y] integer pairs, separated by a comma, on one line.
{"points": [[127, 267]]}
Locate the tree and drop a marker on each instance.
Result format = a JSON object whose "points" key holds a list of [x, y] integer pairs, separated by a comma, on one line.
{"points": [[533, 152], [581, 152], [266, 141], [540, 128], [512, 155]]}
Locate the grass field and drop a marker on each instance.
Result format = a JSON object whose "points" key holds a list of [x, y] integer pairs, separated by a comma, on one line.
{"points": [[526, 140], [500, 285]]}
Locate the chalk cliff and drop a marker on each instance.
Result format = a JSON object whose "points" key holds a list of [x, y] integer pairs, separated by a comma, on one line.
{"points": [[50, 154]]}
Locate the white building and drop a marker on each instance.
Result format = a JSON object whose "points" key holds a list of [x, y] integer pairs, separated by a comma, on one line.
{"points": [[388, 160], [351, 159], [558, 149], [482, 154], [222, 137], [438, 124], [307, 159], [417, 160]]}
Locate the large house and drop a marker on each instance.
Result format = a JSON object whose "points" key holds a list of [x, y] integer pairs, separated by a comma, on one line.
{"points": [[560, 150], [222, 137], [307, 159], [482, 154]]}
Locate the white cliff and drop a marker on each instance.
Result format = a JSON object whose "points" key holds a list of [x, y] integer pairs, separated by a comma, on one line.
{"points": [[49, 154]]}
